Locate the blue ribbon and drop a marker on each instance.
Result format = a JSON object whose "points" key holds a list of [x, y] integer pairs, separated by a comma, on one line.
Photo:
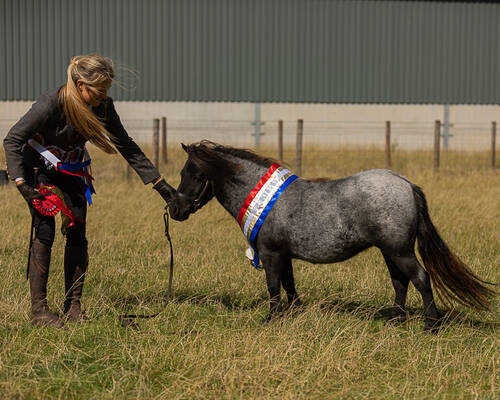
{"points": [[88, 187], [89, 191], [74, 167], [262, 217]]}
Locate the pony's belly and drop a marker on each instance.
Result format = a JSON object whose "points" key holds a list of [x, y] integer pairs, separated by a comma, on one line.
{"points": [[321, 253]]}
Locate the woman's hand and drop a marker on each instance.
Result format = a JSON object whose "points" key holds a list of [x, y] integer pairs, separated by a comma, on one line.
{"points": [[28, 192], [165, 190]]}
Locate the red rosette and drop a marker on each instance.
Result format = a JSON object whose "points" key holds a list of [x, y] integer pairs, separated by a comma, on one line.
{"points": [[46, 207]]}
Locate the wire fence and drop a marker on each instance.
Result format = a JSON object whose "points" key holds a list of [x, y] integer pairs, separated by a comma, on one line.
{"points": [[404, 135], [407, 135]]}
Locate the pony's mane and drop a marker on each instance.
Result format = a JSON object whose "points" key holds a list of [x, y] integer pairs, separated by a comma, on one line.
{"points": [[207, 156]]}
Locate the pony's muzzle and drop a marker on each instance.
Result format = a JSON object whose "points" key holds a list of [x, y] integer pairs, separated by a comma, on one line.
{"points": [[181, 207]]}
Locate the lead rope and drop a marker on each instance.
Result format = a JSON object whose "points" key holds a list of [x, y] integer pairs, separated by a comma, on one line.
{"points": [[128, 319]]}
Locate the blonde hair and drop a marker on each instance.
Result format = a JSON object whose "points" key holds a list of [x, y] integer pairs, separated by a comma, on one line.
{"points": [[95, 71]]}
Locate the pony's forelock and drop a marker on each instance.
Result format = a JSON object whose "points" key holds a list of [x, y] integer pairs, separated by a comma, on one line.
{"points": [[206, 158]]}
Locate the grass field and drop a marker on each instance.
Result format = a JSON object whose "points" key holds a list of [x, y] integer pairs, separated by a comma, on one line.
{"points": [[209, 342]]}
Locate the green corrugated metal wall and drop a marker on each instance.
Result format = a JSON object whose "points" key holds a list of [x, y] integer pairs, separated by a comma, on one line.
{"points": [[260, 50]]}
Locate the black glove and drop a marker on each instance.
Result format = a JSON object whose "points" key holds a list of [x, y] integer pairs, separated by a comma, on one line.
{"points": [[29, 193], [166, 191]]}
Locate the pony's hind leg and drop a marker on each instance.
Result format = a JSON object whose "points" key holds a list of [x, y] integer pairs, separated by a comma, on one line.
{"points": [[400, 283], [409, 266], [288, 283]]}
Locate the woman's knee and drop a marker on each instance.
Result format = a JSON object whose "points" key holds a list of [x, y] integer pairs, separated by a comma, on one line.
{"points": [[45, 230], [75, 235]]}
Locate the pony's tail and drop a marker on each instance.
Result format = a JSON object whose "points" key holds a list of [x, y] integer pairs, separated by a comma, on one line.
{"points": [[452, 279]]}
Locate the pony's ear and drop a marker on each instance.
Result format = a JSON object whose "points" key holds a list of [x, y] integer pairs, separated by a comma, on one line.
{"points": [[184, 147]]}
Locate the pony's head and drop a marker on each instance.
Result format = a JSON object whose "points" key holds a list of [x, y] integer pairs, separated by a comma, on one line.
{"points": [[203, 171]]}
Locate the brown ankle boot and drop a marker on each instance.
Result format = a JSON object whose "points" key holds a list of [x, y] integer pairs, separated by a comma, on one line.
{"points": [[76, 261], [38, 276]]}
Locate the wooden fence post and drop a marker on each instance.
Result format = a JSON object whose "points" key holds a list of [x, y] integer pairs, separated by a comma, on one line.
{"points": [[280, 139], [298, 155], [493, 143], [164, 140], [388, 164], [156, 139], [437, 138]]}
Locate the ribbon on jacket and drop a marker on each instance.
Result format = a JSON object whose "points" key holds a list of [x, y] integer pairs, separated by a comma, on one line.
{"points": [[259, 203], [80, 169]]}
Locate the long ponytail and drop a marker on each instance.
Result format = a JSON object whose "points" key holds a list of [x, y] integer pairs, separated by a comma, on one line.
{"points": [[93, 70]]}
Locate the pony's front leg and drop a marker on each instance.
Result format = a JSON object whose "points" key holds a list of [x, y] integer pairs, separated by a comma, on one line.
{"points": [[288, 283], [271, 263]]}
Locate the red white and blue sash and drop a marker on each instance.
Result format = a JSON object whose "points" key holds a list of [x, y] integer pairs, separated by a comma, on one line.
{"points": [[259, 203], [70, 166]]}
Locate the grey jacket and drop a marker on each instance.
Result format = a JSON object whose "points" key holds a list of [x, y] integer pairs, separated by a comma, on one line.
{"points": [[46, 118]]}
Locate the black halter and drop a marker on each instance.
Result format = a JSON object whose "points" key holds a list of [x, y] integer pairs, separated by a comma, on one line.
{"points": [[197, 201]]}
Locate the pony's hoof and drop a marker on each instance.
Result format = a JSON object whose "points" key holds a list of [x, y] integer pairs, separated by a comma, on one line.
{"points": [[432, 325], [269, 318], [295, 304], [294, 307], [397, 316], [397, 320], [272, 316]]}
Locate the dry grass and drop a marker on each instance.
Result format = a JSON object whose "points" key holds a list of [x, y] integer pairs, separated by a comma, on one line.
{"points": [[209, 343]]}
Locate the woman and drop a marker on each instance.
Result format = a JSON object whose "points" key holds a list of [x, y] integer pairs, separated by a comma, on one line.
{"points": [[50, 139]]}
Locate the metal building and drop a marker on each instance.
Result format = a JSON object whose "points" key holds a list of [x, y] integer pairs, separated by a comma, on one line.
{"points": [[358, 51]]}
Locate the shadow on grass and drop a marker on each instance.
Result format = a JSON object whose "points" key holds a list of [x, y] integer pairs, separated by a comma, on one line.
{"points": [[386, 313], [228, 300], [365, 308], [453, 317], [232, 302]]}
